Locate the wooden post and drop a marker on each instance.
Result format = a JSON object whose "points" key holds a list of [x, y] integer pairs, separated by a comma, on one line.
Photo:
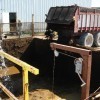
{"points": [[32, 24]]}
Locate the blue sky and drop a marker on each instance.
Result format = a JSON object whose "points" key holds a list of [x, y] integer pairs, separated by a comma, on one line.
{"points": [[95, 3]]}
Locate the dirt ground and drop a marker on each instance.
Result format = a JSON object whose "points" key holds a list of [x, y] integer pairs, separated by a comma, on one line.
{"points": [[16, 47]]}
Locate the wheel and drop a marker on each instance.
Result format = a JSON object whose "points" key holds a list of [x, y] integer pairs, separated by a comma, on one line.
{"points": [[97, 39], [86, 39]]}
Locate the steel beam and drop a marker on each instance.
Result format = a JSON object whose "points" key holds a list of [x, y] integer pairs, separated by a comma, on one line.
{"points": [[71, 49]]}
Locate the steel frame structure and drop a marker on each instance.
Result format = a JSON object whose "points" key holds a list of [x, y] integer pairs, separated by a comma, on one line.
{"points": [[86, 68]]}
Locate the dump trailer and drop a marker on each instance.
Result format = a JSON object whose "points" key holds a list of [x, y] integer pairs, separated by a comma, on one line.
{"points": [[74, 25]]}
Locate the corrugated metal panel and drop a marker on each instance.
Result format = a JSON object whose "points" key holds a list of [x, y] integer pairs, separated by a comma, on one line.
{"points": [[25, 8]]}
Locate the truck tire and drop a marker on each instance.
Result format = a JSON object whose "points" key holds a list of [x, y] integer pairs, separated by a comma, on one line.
{"points": [[86, 39], [97, 39]]}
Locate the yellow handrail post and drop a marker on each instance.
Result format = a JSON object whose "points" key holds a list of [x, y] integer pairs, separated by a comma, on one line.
{"points": [[26, 67], [25, 84]]}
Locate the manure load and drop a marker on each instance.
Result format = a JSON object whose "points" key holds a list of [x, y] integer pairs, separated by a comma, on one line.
{"points": [[74, 25]]}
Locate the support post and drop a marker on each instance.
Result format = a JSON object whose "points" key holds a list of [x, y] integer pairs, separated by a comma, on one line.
{"points": [[25, 84], [86, 75]]}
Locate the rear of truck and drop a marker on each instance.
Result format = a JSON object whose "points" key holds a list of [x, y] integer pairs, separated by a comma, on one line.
{"points": [[74, 24]]}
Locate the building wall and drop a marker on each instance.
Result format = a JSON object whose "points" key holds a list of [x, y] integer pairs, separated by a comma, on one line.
{"points": [[25, 8], [41, 7]]}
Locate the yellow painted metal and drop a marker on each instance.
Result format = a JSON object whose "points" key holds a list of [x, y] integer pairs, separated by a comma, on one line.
{"points": [[23, 64], [25, 85], [12, 97], [26, 67]]}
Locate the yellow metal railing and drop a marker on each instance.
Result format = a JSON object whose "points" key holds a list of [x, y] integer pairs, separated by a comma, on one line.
{"points": [[26, 67]]}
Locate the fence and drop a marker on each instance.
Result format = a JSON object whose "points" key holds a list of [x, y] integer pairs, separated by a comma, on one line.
{"points": [[16, 28], [40, 27], [28, 28]]}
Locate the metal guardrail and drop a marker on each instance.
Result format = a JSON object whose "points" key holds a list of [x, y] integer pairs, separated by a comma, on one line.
{"points": [[26, 67]]}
